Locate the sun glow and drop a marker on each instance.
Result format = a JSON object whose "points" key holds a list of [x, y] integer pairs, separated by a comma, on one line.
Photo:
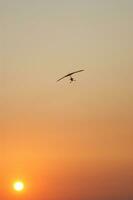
{"points": [[18, 186]]}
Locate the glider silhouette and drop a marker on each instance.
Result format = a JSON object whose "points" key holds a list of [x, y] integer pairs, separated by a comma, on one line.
{"points": [[70, 76]]}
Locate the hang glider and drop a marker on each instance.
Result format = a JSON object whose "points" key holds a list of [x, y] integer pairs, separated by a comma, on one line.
{"points": [[70, 75]]}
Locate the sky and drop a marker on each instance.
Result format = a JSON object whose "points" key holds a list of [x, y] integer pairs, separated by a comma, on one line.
{"points": [[67, 142]]}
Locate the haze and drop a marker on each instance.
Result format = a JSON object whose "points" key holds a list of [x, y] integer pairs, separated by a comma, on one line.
{"points": [[67, 142]]}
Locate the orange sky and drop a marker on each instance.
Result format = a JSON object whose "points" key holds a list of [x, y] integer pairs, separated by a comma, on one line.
{"points": [[67, 142]]}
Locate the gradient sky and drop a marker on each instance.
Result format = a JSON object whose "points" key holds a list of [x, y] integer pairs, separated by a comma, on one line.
{"points": [[67, 142]]}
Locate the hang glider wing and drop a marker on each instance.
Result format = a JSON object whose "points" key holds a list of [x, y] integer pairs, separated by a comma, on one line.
{"points": [[63, 77], [70, 74]]}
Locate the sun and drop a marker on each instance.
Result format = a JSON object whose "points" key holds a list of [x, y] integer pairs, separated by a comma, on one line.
{"points": [[18, 186]]}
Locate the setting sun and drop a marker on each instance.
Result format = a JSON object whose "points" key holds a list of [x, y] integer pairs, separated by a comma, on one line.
{"points": [[18, 186]]}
